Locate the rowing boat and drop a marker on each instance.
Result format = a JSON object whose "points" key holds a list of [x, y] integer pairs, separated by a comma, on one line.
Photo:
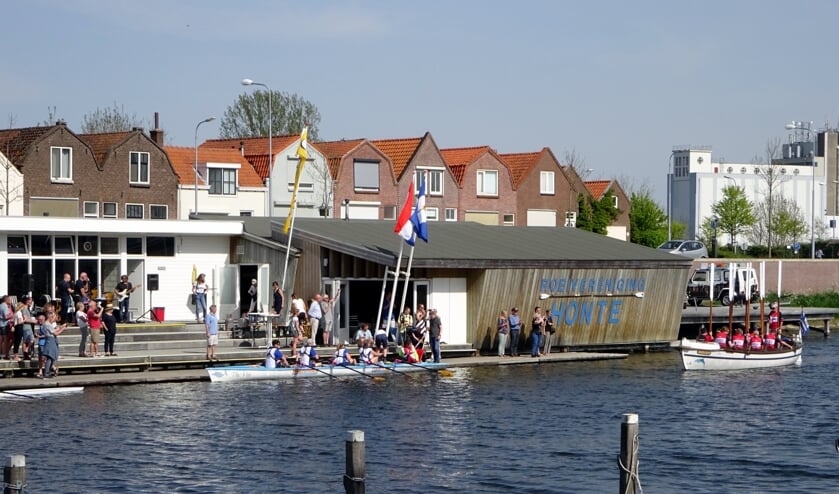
{"points": [[14, 394], [259, 373], [709, 356]]}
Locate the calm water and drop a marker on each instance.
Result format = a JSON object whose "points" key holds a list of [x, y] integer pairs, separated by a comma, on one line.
{"points": [[532, 429]]}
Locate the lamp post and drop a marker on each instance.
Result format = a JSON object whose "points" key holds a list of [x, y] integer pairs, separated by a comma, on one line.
{"points": [[669, 196], [208, 119], [808, 127], [248, 82]]}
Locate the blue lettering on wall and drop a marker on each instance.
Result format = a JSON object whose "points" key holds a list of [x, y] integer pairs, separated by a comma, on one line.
{"points": [[613, 314], [591, 284], [601, 304], [571, 312], [586, 310]]}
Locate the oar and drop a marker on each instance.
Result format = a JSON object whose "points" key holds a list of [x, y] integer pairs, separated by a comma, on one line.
{"points": [[20, 395], [375, 378], [298, 369], [390, 369], [442, 372]]}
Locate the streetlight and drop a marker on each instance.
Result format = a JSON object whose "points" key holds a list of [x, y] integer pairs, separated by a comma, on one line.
{"points": [[249, 82], [208, 119], [808, 127]]}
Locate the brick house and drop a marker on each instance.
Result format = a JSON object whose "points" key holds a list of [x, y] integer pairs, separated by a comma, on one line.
{"points": [[487, 194], [619, 229], [141, 181], [544, 194], [364, 181], [417, 157]]}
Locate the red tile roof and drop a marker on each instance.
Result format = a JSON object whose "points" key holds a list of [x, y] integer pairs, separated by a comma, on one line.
{"points": [[101, 143], [458, 172], [462, 156], [597, 188], [520, 164], [334, 152], [14, 143], [255, 149], [183, 160], [400, 151]]}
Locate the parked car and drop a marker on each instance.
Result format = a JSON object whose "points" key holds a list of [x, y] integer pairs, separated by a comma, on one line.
{"points": [[699, 286], [688, 248]]}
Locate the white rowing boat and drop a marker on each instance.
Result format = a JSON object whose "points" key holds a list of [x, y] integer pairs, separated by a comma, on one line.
{"points": [[709, 356], [15, 394], [259, 373]]}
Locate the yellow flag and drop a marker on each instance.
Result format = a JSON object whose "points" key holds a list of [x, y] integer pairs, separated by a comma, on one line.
{"points": [[303, 154]]}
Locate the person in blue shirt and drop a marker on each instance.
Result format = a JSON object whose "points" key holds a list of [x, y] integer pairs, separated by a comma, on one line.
{"points": [[515, 331], [275, 358], [211, 325]]}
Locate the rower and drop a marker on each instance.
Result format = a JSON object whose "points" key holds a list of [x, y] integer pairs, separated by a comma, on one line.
{"points": [[342, 356], [308, 356]]}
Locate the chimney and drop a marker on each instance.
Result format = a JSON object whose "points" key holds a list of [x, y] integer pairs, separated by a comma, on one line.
{"points": [[156, 133], [242, 147]]}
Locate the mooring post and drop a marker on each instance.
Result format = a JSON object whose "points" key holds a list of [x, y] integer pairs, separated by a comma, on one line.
{"points": [[354, 475], [628, 461], [14, 475]]}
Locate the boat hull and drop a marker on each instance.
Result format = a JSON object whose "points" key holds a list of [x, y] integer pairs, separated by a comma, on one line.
{"points": [[15, 394], [258, 373], [709, 356]]}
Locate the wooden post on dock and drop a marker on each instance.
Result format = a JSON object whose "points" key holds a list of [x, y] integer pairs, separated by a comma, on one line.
{"points": [[628, 460], [14, 475], [355, 471]]}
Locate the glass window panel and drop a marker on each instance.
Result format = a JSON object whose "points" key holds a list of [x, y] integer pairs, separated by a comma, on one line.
{"points": [[134, 245]]}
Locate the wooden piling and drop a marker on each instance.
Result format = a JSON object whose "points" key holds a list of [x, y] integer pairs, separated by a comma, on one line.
{"points": [[14, 475], [355, 459], [628, 461]]}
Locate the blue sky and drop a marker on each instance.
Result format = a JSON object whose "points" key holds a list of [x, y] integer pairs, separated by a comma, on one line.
{"points": [[618, 82]]}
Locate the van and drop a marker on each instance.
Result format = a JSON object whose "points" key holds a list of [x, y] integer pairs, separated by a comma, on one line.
{"points": [[699, 286]]}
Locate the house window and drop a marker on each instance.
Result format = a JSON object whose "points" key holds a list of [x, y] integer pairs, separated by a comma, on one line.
{"points": [[546, 183], [615, 198], [366, 176], [451, 214], [91, 209], [160, 246], [138, 168], [109, 245], [61, 164], [64, 245], [431, 214], [509, 219], [433, 181], [487, 182], [302, 187], [389, 213], [245, 213], [158, 211], [16, 245], [134, 211], [222, 181], [109, 209]]}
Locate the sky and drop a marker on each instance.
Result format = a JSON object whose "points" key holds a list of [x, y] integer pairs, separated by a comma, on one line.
{"points": [[618, 83]]}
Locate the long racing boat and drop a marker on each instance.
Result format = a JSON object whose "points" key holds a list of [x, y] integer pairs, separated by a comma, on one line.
{"points": [[259, 373]]}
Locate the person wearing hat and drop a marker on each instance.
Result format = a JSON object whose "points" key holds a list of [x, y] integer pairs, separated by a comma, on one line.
{"points": [[514, 321], [109, 327], [252, 295], [308, 356]]}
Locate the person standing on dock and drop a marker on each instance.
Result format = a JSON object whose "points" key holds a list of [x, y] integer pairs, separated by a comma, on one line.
{"points": [[252, 294], [94, 319], [538, 326], [515, 331], [7, 316], [327, 307], [548, 333], [50, 330], [199, 289], [65, 291], [315, 314], [109, 325], [211, 325], [123, 292], [435, 334], [503, 330], [277, 294], [84, 328]]}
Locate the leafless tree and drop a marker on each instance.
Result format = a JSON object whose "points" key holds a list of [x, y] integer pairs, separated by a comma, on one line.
{"points": [[578, 163], [769, 170]]}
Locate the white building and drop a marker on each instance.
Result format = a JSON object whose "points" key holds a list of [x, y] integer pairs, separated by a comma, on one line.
{"points": [[696, 183], [11, 188]]}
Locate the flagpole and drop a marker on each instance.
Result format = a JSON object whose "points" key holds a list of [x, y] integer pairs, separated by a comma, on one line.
{"points": [[407, 277], [393, 293]]}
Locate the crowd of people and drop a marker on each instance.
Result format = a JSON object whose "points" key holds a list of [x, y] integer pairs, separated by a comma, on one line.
{"points": [[738, 338]]}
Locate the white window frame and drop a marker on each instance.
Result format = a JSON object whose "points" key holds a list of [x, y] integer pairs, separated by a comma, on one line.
{"points": [[508, 222], [481, 183], [616, 201], [135, 170], [225, 180], [93, 214], [142, 210], [451, 214], [65, 169], [105, 210], [432, 214], [302, 187], [361, 169], [547, 183], [434, 180], [165, 211]]}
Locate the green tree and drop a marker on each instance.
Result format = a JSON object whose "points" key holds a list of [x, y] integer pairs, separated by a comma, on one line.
{"points": [[113, 119], [595, 216], [248, 115], [648, 222], [734, 212]]}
